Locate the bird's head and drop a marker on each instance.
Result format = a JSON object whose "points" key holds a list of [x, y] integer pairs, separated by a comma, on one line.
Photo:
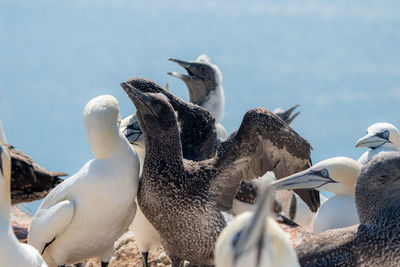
{"points": [[154, 113], [337, 175], [202, 78], [380, 135]]}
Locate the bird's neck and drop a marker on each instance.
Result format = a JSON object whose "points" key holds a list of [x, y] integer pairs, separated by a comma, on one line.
{"points": [[164, 147], [214, 102], [105, 141], [5, 211], [3, 138]]}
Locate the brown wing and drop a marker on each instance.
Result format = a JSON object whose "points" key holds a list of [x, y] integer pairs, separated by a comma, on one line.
{"points": [[262, 143], [29, 181]]}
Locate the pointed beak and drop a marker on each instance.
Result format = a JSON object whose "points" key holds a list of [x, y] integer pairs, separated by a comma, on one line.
{"points": [[255, 228], [183, 77], [287, 115], [183, 64], [303, 180], [371, 141], [137, 97]]}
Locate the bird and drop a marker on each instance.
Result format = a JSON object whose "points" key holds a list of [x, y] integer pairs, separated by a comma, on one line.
{"points": [[197, 133], [12, 253], [196, 194], [380, 137], [204, 82], [29, 181], [255, 239], [146, 236], [82, 217], [337, 175], [376, 240]]}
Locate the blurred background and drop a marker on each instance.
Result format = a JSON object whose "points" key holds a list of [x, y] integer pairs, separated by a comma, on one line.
{"points": [[340, 60]]}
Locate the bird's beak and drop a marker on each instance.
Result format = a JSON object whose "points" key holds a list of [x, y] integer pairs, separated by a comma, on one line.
{"points": [[370, 140], [188, 66], [183, 77], [138, 98], [254, 230], [307, 179]]}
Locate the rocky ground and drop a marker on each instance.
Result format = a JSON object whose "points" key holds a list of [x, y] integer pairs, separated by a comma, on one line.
{"points": [[126, 253]]}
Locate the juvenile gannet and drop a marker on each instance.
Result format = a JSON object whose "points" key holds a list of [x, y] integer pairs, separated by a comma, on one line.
{"points": [[82, 217], [376, 240], [337, 175], [195, 194], [12, 252], [255, 239], [380, 137], [197, 129], [204, 81], [29, 181]]}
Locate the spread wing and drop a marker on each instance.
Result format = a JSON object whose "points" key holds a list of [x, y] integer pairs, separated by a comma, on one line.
{"points": [[262, 143], [29, 181]]}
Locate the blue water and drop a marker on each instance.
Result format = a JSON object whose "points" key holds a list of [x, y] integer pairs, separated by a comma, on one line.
{"points": [[339, 59]]}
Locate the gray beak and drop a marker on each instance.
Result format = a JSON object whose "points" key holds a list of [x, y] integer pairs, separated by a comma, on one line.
{"points": [[303, 180], [136, 96], [370, 140]]}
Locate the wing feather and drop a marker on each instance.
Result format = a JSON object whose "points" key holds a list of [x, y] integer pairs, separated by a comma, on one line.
{"points": [[263, 143]]}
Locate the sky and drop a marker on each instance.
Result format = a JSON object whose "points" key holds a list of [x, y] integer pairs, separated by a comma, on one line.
{"points": [[340, 60]]}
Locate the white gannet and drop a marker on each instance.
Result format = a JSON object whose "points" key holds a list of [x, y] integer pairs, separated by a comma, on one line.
{"points": [[337, 175], [82, 217], [255, 239], [376, 240], [380, 137], [29, 181], [12, 252]]}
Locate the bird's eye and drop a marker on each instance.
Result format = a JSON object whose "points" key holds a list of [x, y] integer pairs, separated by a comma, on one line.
{"points": [[386, 134], [324, 173]]}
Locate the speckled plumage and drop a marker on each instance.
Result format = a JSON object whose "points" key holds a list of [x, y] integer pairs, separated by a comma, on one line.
{"points": [[199, 138], [198, 132], [184, 199], [376, 241], [29, 181]]}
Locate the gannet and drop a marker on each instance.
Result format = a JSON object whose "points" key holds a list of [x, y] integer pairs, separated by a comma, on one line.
{"points": [[29, 181], [197, 133], [255, 239], [376, 240], [195, 194], [12, 252], [337, 175], [82, 217], [380, 137], [204, 82]]}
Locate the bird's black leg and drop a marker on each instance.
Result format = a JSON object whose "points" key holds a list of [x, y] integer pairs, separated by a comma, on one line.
{"points": [[145, 257], [104, 264]]}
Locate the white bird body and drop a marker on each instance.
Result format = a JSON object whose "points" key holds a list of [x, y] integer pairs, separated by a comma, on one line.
{"points": [[380, 137], [12, 252], [337, 212], [83, 216]]}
